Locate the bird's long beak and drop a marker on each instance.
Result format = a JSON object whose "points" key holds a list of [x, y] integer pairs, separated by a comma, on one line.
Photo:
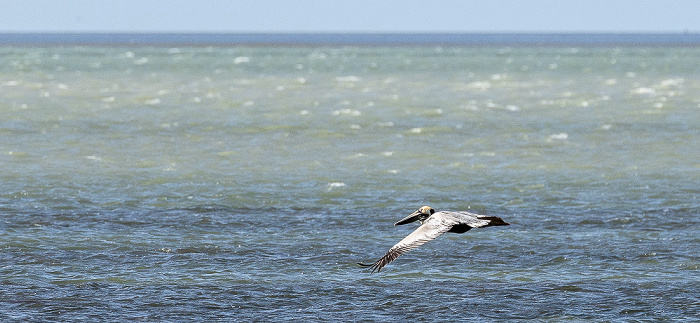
{"points": [[411, 218]]}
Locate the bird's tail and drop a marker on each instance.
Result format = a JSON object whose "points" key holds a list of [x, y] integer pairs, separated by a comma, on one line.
{"points": [[493, 220]]}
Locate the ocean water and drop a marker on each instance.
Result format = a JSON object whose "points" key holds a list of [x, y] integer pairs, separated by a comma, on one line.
{"points": [[244, 183]]}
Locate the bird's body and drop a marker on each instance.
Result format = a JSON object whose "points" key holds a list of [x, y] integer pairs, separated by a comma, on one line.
{"points": [[433, 225]]}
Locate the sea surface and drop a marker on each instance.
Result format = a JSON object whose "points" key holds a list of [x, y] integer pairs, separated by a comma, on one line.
{"points": [[180, 184]]}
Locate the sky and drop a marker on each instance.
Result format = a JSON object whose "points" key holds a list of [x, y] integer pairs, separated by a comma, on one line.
{"points": [[360, 16]]}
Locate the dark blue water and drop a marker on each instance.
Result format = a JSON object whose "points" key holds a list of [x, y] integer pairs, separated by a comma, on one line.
{"points": [[497, 39], [221, 263]]}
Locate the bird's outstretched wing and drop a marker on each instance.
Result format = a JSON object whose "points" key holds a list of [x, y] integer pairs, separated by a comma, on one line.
{"points": [[432, 228]]}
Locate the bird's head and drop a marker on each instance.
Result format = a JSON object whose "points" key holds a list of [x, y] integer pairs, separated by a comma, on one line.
{"points": [[421, 214]]}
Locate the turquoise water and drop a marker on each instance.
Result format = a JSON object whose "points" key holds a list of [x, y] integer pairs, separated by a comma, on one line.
{"points": [[166, 184]]}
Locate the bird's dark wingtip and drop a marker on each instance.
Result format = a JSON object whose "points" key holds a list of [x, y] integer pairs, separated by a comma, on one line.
{"points": [[373, 266]]}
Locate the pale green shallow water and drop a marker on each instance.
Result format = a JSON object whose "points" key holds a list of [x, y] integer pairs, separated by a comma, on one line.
{"points": [[166, 184]]}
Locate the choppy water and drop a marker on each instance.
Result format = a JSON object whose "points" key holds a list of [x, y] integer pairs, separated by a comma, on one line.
{"points": [[172, 184]]}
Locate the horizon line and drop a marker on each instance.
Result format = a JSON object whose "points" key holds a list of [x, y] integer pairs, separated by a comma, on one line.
{"points": [[349, 38]]}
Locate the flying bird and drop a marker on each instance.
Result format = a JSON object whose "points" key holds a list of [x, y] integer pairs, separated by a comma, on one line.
{"points": [[433, 225]]}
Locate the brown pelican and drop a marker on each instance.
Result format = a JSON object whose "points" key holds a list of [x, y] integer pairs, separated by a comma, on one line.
{"points": [[433, 224]]}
